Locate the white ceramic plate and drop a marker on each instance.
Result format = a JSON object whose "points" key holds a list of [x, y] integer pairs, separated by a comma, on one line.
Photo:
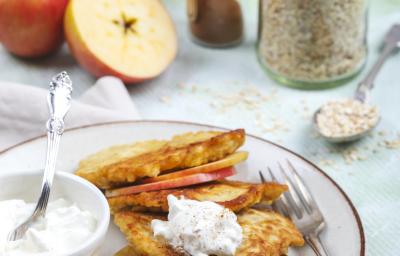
{"points": [[343, 236]]}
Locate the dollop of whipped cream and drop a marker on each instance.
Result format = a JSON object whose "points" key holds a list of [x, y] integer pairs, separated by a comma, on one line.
{"points": [[199, 228], [63, 229]]}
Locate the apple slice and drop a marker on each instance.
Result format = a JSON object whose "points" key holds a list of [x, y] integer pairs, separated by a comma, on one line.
{"points": [[173, 183], [134, 40], [228, 161]]}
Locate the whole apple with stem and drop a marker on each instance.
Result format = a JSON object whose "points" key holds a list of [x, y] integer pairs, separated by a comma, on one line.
{"points": [[32, 28]]}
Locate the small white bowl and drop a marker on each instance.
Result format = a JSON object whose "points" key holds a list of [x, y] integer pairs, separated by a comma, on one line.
{"points": [[27, 185]]}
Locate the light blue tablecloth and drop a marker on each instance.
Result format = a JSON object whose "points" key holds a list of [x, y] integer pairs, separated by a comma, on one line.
{"points": [[217, 87]]}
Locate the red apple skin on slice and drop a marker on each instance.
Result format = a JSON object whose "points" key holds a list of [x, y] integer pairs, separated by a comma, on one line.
{"points": [[173, 183], [180, 174], [227, 162]]}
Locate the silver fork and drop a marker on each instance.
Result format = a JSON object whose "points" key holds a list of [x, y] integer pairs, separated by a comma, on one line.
{"points": [[299, 205], [59, 98]]}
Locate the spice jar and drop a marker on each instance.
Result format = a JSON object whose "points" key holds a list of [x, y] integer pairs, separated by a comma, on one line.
{"points": [[215, 23], [312, 43]]}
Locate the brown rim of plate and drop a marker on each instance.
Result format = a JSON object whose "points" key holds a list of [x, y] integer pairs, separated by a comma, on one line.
{"points": [[355, 213]]}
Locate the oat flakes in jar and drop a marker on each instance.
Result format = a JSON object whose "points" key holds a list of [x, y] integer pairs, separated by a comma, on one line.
{"points": [[312, 44]]}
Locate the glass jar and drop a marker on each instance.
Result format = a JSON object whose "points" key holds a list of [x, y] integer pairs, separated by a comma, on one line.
{"points": [[215, 23], [312, 44]]}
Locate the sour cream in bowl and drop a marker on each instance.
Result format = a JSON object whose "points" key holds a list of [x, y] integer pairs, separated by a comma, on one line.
{"points": [[75, 224]]}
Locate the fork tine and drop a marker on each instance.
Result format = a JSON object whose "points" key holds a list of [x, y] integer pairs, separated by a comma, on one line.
{"points": [[297, 190], [282, 203], [275, 208], [273, 178], [289, 211], [291, 196], [261, 177], [278, 205], [302, 190]]}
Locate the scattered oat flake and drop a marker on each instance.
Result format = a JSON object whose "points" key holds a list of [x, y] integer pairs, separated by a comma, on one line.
{"points": [[165, 99], [213, 105], [382, 133], [181, 85], [392, 144], [327, 162]]}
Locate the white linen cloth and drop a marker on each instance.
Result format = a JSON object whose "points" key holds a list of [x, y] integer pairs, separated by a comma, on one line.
{"points": [[24, 110]]}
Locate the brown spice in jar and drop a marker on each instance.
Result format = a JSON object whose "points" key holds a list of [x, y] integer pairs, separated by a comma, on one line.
{"points": [[216, 22]]}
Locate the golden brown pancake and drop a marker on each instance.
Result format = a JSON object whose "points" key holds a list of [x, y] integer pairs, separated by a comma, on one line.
{"points": [[127, 251], [230, 194], [265, 233], [123, 164]]}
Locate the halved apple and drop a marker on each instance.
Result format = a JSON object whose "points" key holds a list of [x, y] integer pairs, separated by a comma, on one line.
{"points": [[228, 161], [134, 40], [173, 183]]}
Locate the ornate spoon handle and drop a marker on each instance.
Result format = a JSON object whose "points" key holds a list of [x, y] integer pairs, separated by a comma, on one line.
{"points": [[59, 101]]}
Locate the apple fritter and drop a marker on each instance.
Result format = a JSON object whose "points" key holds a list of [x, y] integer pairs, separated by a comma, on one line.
{"points": [[124, 164], [233, 195], [137, 230], [265, 233], [127, 251]]}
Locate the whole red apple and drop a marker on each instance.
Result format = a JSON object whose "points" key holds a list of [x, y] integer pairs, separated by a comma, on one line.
{"points": [[32, 28]]}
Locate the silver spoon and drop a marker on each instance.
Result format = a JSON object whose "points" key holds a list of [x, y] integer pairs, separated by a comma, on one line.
{"points": [[391, 42], [59, 101]]}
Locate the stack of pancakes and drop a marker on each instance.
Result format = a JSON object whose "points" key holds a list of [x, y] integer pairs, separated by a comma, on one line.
{"points": [[264, 232]]}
